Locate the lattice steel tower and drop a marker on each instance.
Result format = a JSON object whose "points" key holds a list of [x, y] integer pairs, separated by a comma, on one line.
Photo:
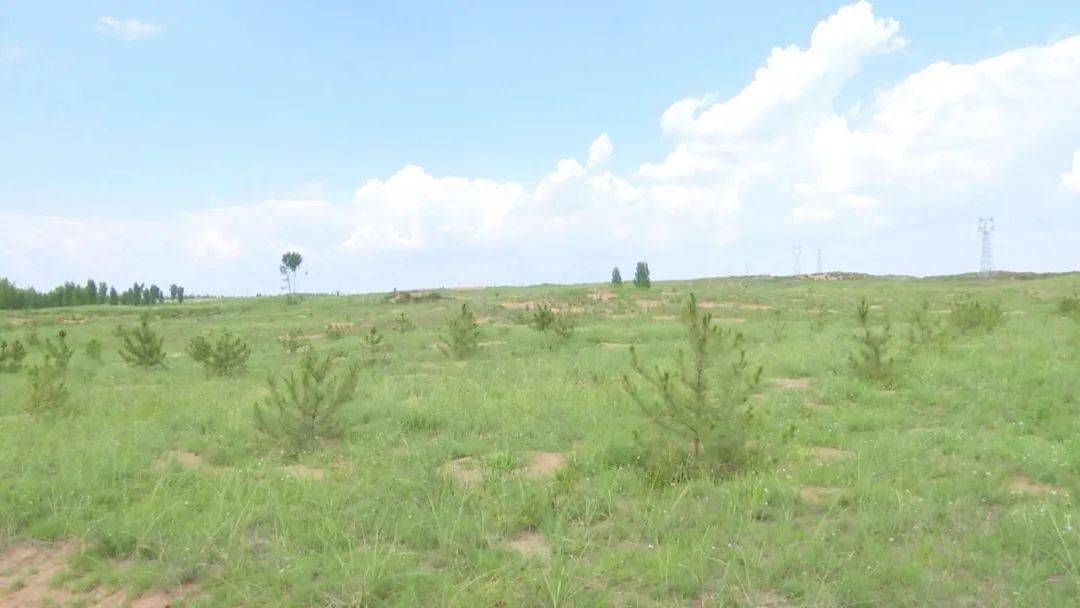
{"points": [[986, 259], [820, 266], [796, 251]]}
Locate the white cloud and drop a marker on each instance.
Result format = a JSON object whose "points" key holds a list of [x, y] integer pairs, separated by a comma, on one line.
{"points": [[600, 150], [1070, 180], [745, 178], [128, 30], [793, 82], [12, 54]]}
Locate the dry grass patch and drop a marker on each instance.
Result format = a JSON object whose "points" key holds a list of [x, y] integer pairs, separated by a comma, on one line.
{"points": [[302, 471], [465, 471], [792, 383], [1030, 487], [827, 454]]}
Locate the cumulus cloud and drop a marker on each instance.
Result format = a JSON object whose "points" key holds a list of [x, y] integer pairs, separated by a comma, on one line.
{"points": [[1070, 180], [777, 163], [128, 30]]}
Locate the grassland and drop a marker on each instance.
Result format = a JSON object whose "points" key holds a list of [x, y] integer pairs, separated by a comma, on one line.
{"points": [[513, 478]]}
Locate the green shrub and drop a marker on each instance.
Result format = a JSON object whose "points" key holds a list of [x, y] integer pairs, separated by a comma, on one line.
{"points": [[58, 352], [402, 324], [292, 341], [871, 358], [374, 346], [462, 337], [93, 350], [924, 330], [307, 408], [1070, 306], [562, 328], [141, 347], [227, 356], [337, 331], [969, 314], [32, 337], [11, 356], [46, 391], [705, 400], [778, 326], [543, 318]]}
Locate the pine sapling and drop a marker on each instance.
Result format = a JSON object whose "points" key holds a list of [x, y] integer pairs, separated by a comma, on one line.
{"points": [[141, 347], [462, 336], [703, 401], [871, 358], [93, 350], [306, 408], [543, 318], [58, 352], [46, 392], [11, 356], [374, 346], [402, 324], [292, 341], [227, 356]]}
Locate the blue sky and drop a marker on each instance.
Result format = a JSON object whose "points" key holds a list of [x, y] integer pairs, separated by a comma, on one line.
{"points": [[198, 113]]}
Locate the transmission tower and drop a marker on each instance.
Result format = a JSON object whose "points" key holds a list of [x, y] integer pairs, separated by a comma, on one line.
{"points": [[820, 266], [986, 260], [796, 251]]}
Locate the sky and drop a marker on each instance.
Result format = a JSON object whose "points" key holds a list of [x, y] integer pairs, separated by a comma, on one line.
{"points": [[427, 144]]}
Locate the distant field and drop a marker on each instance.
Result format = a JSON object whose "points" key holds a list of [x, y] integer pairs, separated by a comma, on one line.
{"points": [[513, 478]]}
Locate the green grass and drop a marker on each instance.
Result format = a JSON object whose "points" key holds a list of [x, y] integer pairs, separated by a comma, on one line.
{"points": [[918, 509]]}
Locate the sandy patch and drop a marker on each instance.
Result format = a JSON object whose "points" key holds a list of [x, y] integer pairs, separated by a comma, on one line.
{"points": [[188, 460], [490, 343], [601, 296], [28, 569], [665, 317], [1030, 487], [529, 544], [544, 464], [518, 305], [820, 495], [303, 471], [615, 345], [465, 471], [793, 383], [647, 304], [827, 454]]}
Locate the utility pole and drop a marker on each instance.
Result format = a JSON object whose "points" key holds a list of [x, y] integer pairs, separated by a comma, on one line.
{"points": [[986, 258]]}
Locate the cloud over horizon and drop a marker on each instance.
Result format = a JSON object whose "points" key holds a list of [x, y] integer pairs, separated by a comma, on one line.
{"points": [[892, 183]]}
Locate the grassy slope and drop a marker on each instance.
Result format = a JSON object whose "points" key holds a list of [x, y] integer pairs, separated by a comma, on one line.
{"points": [[924, 513]]}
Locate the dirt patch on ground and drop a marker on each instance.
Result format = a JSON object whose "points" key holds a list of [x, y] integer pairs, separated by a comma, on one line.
{"points": [[820, 495], [827, 454], [621, 316], [529, 544], [647, 304], [490, 343], [793, 383], [188, 460], [518, 305], [544, 464], [302, 471], [1030, 487], [28, 569], [466, 471], [615, 345], [601, 296], [814, 406], [665, 317]]}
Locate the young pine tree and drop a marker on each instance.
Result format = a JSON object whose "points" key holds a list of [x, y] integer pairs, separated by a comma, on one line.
{"points": [[227, 356], [641, 276], [871, 358], [46, 392], [305, 409], [11, 356], [462, 336], [141, 347], [704, 400], [58, 352]]}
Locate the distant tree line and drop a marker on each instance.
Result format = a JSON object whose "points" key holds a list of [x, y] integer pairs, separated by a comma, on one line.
{"points": [[73, 294]]}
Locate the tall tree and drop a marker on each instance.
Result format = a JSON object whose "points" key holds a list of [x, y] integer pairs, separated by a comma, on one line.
{"points": [[290, 262], [616, 277], [641, 276]]}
